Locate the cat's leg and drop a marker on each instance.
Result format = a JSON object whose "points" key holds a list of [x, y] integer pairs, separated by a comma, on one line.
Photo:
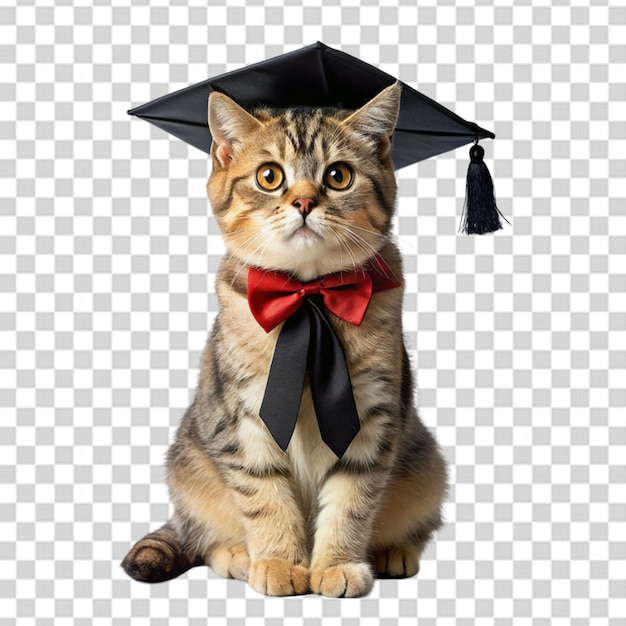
{"points": [[205, 528], [410, 511], [274, 528], [271, 514], [347, 504], [340, 566], [236, 511], [379, 508], [253, 528], [206, 512]]}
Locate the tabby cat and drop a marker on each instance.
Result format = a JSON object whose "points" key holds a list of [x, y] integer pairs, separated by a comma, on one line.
{"points": [[308, 192]]}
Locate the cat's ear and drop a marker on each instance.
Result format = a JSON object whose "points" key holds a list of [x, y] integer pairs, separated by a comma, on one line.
{"points": [[377, 119], [229, 124]]}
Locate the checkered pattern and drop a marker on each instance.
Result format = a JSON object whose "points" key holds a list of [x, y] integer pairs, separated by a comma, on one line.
{"points": [[107, 262]]}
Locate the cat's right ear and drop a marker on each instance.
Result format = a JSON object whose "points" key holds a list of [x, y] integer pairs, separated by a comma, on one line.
{"points": [[229, 124]]}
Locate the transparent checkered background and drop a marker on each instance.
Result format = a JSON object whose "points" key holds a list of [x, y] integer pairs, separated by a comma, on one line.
{"points": [[107, 262]]}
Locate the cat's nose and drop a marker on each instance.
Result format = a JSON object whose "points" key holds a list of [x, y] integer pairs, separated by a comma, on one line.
{"points": [[304, 205]]}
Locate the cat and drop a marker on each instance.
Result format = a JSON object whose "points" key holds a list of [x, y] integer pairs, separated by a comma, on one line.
{"points": [[307, 192]]}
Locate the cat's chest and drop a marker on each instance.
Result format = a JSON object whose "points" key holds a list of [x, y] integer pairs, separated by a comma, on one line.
{"points": [[309, 456]]}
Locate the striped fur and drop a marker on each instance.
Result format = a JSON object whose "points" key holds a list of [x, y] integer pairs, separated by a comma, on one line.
{"points": [[301, 520]]}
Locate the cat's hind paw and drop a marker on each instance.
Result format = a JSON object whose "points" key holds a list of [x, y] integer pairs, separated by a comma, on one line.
{"points": [[346, 580], [397, 563], [278, 577], [230, 561]]}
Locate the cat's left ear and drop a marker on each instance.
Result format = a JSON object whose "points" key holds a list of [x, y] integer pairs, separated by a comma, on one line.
{"points": [[229, 124], [377, 119]]}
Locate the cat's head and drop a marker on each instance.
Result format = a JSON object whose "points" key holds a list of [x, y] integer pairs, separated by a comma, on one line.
{"points": [[303, 190]]}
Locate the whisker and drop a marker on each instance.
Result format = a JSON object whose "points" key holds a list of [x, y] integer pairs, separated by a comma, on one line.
{"points": [[341, 244], [365, 246], [367, 230], [357, 239]]}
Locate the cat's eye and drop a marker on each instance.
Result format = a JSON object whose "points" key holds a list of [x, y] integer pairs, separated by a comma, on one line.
{"points": [[269, 176], [338, 176]]}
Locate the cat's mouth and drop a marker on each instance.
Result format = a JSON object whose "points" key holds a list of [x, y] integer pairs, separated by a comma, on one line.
{"points": [[304, 233]]}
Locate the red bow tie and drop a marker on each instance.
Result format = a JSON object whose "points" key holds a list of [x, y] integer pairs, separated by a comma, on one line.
{"points": [[273, 297]]}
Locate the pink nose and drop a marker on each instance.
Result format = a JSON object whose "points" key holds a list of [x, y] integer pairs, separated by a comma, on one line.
{"points": [[304, 205]]}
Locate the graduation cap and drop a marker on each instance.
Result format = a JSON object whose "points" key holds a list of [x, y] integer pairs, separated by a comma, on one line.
{"points": [[319, 76]]}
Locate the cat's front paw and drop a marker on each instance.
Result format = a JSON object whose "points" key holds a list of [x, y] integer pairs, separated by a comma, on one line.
{"points": [[278, 577], [346, 580]]}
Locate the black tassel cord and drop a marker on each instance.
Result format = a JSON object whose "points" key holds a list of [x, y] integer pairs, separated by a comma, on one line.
{"points": [[480, 213]]}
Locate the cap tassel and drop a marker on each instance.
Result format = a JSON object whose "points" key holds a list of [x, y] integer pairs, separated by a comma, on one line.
{"points": [[480, 213]]}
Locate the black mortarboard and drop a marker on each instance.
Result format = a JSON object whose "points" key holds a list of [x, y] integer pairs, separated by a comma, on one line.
{"points": [[320, 76]]}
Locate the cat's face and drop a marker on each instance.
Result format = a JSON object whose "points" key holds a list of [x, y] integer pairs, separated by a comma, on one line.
{"points": [[309, 192]]}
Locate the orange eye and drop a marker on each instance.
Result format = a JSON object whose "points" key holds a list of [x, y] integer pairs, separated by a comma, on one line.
{"points": [[338, 176], [269, 176]]}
